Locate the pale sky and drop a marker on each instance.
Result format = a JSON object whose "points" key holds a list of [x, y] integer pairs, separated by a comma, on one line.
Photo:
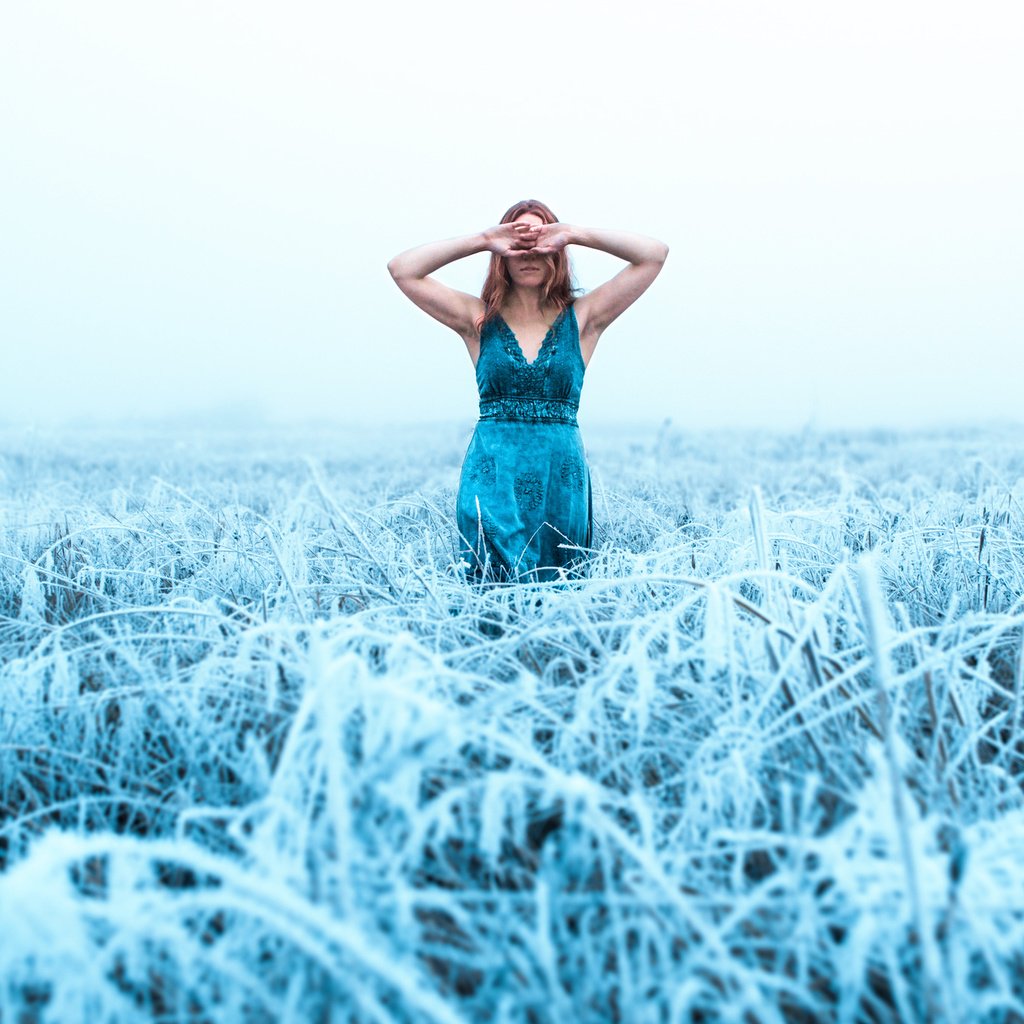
{"points": [[198, 201]]}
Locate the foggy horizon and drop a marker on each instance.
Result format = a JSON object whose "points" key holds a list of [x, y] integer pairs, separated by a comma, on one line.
{"points": [[200, 207]]}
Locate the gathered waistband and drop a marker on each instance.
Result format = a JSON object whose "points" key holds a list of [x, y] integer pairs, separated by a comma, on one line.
{"points": [[530, 410]]}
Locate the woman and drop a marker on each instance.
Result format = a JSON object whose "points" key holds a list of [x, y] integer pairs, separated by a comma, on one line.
{"points": [[524, 505]]}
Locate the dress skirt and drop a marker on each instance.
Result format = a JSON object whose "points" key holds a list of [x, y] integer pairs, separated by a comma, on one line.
{"points": [[525, 505]]}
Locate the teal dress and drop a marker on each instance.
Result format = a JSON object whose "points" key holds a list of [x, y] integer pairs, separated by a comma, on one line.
{"points": [[525, 483]]}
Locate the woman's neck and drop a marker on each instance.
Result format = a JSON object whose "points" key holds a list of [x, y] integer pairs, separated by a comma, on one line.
{"points": [[525, 303]]}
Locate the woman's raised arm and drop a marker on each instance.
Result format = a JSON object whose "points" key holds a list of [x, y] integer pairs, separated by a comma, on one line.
{"points": [[597, 309], [457, 310]]}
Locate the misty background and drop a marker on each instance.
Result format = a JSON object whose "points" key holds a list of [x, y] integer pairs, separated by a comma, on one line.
{"points": [[198, 202]]}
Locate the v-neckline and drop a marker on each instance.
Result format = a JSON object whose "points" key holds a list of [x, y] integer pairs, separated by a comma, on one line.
{"points": [[546, 339]]}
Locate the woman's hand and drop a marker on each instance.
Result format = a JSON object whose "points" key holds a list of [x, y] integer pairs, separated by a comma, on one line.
{"points": [[551, 238], [513, 239]]}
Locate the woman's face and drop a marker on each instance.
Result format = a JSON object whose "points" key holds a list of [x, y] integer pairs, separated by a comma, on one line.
{"points": [[527, 269]]}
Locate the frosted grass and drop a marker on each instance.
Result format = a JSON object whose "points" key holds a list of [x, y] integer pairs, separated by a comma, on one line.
{"points": [[264, 755]]}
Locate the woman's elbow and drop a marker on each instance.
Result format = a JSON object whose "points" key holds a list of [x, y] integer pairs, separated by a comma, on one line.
{"points": [[657, 253]]}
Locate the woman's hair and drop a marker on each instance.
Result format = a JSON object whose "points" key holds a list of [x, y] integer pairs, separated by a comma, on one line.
{"points": [[559, 286]]}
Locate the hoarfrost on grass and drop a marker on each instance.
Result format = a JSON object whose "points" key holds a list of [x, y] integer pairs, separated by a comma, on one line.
{"points": [[265, 755]]}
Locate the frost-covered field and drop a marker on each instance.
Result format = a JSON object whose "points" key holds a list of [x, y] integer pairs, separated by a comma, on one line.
{"points": [[265, 756]]}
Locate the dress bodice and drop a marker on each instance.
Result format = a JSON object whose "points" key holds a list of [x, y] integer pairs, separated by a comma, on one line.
{"points": [[546, 390]]}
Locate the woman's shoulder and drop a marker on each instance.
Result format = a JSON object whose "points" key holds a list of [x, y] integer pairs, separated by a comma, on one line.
{"points": [[578, 311]]}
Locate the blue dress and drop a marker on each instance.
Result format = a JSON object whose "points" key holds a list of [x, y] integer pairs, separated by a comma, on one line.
{"points": [[525, 486]]}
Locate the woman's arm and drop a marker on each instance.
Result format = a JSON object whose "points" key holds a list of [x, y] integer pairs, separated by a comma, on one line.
{"points": [[599, 308], [457, 310]]}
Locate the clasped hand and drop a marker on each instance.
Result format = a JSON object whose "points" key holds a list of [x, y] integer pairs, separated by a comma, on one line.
{"points": [[518, 239]]}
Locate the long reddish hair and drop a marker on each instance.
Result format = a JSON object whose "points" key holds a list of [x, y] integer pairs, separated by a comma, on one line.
{"points": [[559, 284]]}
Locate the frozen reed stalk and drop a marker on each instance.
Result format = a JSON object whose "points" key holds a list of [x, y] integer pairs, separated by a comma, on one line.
{"points": [[286, 576], [757, 523], [761, 546], [880, 640], [1015, 712]]}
